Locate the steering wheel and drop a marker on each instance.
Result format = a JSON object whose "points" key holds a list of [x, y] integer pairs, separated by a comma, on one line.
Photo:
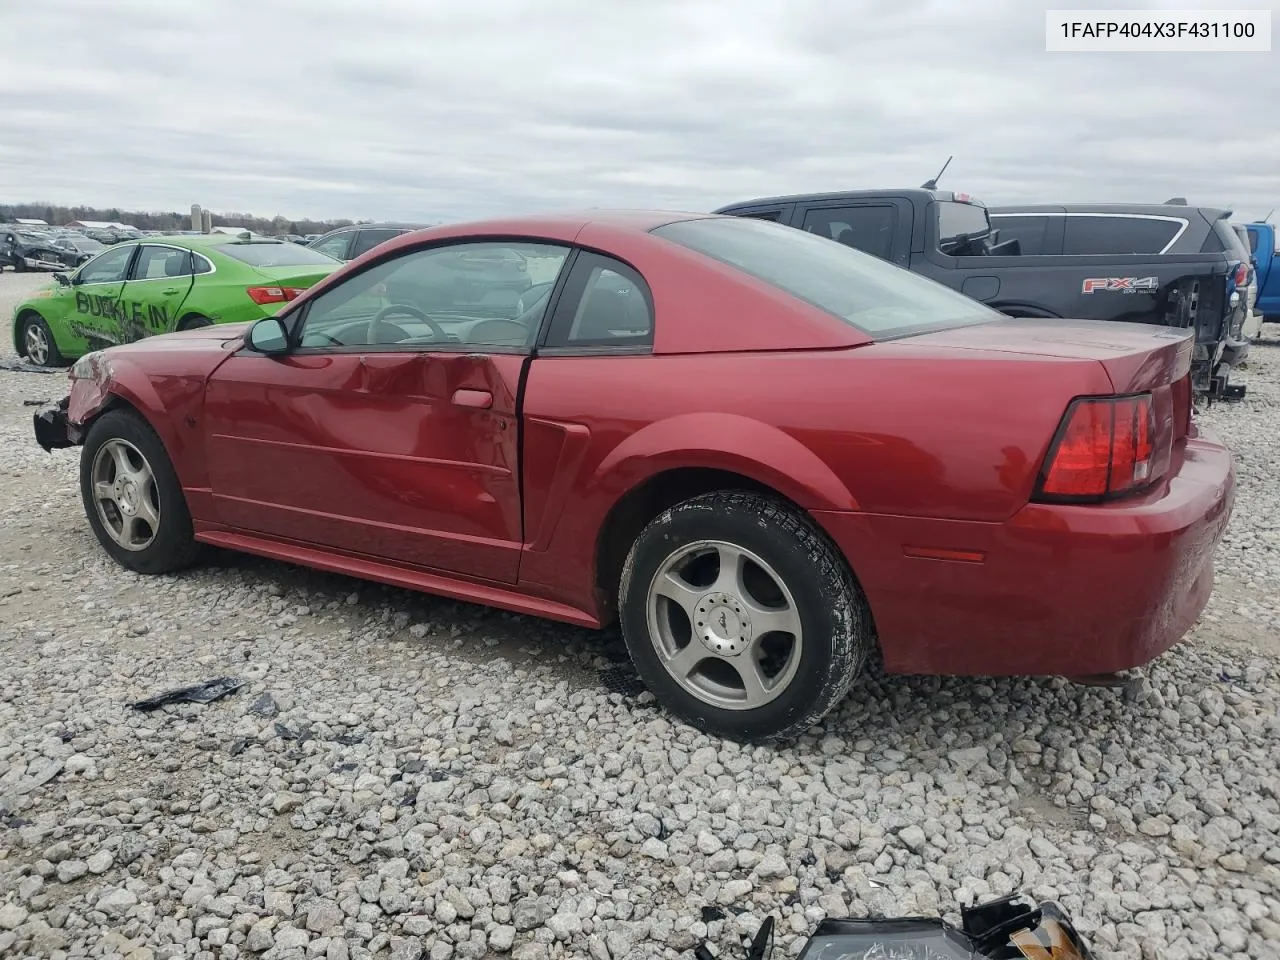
{"points": [[380, 319]]}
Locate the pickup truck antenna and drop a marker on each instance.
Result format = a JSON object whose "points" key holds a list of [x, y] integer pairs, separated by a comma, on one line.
{"points": [[1267, 218], [933, 184]]}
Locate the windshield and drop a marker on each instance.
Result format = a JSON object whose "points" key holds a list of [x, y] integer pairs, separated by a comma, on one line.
{"points": [[87, 244], [273, 253], [864, 291]]}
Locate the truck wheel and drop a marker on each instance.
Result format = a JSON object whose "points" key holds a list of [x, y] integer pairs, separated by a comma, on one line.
{"points": [[741, 617], [132, 496], [38, 343]]}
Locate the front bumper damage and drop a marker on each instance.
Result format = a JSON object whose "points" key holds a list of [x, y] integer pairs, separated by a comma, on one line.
{"points": [[54, 430]]}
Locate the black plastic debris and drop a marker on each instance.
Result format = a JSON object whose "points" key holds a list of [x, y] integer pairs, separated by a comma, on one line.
{"points": [[302, 734], [21, 366], [1004, 929], [206, 692], [36, 403], [710, 913], [264, 706]]}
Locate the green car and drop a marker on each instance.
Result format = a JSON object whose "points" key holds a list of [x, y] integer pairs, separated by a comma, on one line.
{"points": [[156, 285]]}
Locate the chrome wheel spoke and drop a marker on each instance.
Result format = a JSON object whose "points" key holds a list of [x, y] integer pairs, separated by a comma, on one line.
{"points": [[732, 563], [120, 457], [104, 491], [766, 620], [754, 685], [672, 586], [683, 663], [148, 512]]}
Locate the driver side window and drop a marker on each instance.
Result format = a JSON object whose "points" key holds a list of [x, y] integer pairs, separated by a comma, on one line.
{"points": [[475, 294]]}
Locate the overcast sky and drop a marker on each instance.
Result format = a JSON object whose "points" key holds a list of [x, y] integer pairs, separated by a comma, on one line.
{"points": [[449, 109]]}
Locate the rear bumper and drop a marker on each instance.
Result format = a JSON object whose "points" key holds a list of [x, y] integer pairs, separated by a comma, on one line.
{"points": [[1054, 590], [52, 428]]}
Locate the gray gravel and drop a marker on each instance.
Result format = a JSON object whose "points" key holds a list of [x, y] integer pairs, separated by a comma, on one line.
{"points": [[408, 777]]}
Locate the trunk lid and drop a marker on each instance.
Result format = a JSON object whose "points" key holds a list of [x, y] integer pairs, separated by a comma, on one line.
{"points": [[1136, 356], [301, 276]]}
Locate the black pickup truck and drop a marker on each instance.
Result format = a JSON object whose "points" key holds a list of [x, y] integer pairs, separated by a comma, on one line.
{"points": [[949, 238]]}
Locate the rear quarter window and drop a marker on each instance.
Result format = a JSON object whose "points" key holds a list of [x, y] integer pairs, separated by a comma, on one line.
{"points": [[869, 294], [1091, 235]]}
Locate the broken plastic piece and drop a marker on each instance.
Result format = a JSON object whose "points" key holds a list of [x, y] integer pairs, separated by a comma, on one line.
{"points": [[1005, 929], [206, 692]]}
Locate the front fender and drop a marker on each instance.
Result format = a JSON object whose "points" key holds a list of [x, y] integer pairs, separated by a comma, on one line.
{"points": [[723, 441], [117, 378]]}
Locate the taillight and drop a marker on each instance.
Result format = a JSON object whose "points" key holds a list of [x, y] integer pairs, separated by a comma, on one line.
{"points": [[264, 295], [1242, 275], [1104, 448]]}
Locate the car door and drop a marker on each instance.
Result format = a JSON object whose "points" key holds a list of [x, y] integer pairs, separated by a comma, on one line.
{"points": [[385, 430], [97, 286], [159, 280]]}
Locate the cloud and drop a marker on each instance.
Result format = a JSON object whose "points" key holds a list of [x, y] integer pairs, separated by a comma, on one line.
{"points": [[427, 109]]}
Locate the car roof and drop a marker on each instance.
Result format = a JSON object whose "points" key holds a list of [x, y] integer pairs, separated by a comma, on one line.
{"points": [[1182, 211], [918, 192]]}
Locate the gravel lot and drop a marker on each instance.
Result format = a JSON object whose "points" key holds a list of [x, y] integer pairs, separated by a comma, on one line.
{"points": [[408, 777]]}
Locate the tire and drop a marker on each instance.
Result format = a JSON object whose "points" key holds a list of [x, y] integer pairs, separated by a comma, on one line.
{"points": [[194, 321], [171, 544], [38, 344], [19, 266], [825, 625]]}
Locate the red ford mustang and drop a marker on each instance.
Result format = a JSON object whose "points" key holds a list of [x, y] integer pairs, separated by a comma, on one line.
{"points": [[762, 451]]}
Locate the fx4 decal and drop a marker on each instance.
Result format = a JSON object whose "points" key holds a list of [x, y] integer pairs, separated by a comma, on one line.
{"points": [[1122, 284]]}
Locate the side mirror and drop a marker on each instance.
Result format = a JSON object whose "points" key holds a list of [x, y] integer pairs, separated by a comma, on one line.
{"points": [[63, 278], [269, 336]]}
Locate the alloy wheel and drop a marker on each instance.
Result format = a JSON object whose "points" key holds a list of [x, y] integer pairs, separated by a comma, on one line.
{"points": [[724, 624], [37, 343], [125, 494]]}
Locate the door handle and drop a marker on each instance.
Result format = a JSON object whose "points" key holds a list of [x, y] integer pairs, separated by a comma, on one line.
{"points": [[476, 399], [169, 291]]}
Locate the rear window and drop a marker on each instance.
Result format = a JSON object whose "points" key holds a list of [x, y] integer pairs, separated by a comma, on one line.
{"points": [[272, 254], [865, 292]]}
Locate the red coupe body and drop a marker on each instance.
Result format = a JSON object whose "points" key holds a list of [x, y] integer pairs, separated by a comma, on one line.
{"points": [[519, 477]]}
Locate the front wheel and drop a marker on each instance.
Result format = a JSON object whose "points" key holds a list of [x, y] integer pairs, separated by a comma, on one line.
{"points": [[132, 496], [194, 321], [38, 343], [741, 617]]}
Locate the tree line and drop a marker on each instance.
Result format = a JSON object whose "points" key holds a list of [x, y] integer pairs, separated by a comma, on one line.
{"points": [[164, 220]]}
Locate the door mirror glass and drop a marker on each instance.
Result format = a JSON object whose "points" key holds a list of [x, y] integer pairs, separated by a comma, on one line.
{"points": [[269, 335]]}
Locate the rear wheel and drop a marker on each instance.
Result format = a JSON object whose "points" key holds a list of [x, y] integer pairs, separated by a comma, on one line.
{"points": [[132, 496], [193, 321], [38, 343], [741, 617]]}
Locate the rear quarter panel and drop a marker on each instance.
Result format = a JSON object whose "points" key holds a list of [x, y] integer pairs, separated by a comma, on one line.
{"points": [[885, 429]]}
